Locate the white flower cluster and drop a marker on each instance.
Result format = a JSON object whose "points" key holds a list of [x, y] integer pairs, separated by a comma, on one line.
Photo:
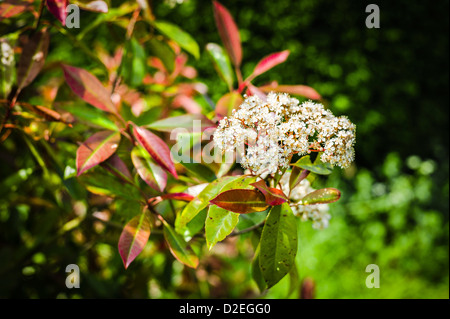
{"points": [[318, 213], [274, 129], [6, 54], [173, 3]]}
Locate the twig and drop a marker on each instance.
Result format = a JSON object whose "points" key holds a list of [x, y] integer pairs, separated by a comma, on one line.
{"points": [[246, 230]]}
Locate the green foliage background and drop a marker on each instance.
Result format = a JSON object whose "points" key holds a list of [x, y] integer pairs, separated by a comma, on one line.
{"points": [[392, 82]]}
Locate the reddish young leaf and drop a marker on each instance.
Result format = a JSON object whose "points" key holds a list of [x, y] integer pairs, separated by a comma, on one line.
{"points": [[11, 8], [229, 33], [322, 196], [117, 167], [156, 147], [178, 196], [96, 149], [302, 90], [273, 196], [269, 62], [241, 201], [32, 58], [150, 172], [134, 236], [58, 9], [227, 103], [89, 88]]}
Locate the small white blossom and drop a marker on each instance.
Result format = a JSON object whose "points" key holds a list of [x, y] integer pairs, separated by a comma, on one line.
{"points": [[6, 54], [275, 129]]}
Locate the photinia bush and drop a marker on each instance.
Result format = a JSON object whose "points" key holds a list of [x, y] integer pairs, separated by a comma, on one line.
{"points": [[152, 136]]}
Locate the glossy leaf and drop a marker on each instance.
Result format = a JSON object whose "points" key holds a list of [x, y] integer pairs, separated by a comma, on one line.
{"points": [[241, 201], [96, 149], [91, 116], [302, 90], [58, 9], [89, 88], [200, 202], [179, 248], [186, 121], [178, 196], [273, 196], [297, 175], [156, 147], [179, 36], [278, 245], [256, 271], [221, 63], [219, 224], [134, 237], [227, 103], [32, 58], [317, 167], [228, 32], [322, 196], [150, 172], [269, 62]]}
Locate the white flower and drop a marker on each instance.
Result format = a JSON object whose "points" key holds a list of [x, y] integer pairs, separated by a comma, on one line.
{"points": [[275, 129], [6, 53]]}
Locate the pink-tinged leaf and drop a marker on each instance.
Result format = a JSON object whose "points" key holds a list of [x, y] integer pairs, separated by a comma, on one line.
{"points": [[269, 62], [134, 236], [58, 9], [178, 196], [229, 33], [227, 103], [96, 149], [150, 172], [94, 6], [32, 58], [302, 90], [242, 201], [117, 167], [253, 90], [89, 88], [179, 248], [156, 147], [188, 103], [10, 8], [321, 196], [297, 175], [273, 196]]}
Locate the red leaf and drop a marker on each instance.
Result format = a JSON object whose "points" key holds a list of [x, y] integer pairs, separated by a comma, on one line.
{"points": [[117, 167], [150, 173], [302, 90], [96, 149], [269, 62], [273, 196], [241, 201], [178, 196], [89, 88], [229, 33], [58, 9], [156, 147], [11, 8], [32, 58], [134, 236]]}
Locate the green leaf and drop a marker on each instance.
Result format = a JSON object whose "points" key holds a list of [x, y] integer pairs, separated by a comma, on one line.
{"points": [[256, 271], [221, 63], [219, 224], [201, 171], [90, 115], [185, 121], [278, 244], [134, 63], [179, 248], [321, 196], [317, 167], [297, 175], [179, 36], [164, 52], [200, 202]]}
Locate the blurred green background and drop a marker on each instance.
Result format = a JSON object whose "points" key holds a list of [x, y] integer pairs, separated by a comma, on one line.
{"points": [[392, 82]]}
